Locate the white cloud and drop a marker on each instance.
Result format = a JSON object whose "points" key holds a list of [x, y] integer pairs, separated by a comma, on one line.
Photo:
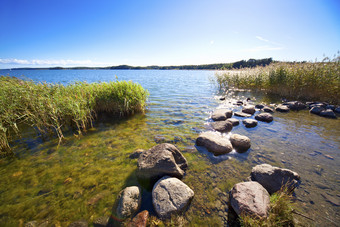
{"points": [[262, 39], [263, 48], [47, 62]]}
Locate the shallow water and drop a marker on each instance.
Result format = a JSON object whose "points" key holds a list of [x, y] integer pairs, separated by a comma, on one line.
{"points": [[82, 177]]}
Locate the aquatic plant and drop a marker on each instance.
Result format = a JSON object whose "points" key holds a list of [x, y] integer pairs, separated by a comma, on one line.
{"points": [[52, 109], [318, 81]]}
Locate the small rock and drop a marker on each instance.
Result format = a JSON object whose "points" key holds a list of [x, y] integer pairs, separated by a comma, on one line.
{"points": [[136, 153], [316, 110], [328, 113], [214, 143], [295, 105], [140, 220], [241, 114], [282, 108], [239, 103], [249, 109], [221, 114], [222, 98], [234, 121], [259, 106], [222, 126], [101, 221], [250, 123], [268, 109], [240, 143], [266, 117], [329, 157], [129, 201]]}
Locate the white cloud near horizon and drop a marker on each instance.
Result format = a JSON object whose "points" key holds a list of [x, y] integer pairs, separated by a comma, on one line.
{"points": [[48, 62]]}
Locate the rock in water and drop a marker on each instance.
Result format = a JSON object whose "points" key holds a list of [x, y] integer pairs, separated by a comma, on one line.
{"points": [[222, 126], [249, 109], [221, 114], [241, 114], [170, 196], [250, 123], [295, 105], [328, 113], [250, 198], [240, 143], [282, 108], [160, 160], [266, 117], [214, 143], [234, 121], [274, 178], [140, 220], [316, 110], [268, 109], [259, 106], [129, 201]]}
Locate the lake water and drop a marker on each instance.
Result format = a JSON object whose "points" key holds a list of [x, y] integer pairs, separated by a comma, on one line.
{"points": [[82, 177]]}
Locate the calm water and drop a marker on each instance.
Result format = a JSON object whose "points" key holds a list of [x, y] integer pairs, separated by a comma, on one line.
{"points": [[81, 178]]}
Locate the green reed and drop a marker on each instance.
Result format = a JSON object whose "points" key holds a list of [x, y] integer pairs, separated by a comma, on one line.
{"points": [[319, 81], [52, 109]]}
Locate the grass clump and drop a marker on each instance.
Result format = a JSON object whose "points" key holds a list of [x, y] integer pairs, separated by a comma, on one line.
{"points": [[319, 81], [52, 109]]}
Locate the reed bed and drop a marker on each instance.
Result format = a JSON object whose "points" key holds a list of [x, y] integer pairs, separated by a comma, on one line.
{"points": [[319, 81], [52, 109]]}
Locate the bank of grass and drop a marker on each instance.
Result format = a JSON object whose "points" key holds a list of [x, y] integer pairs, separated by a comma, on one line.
{"points": [[52, 109], [308, 81]]}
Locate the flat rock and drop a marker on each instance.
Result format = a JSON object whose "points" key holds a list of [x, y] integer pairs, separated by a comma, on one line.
{"points": [[214, 142], [241, 114], [140, 220], [222, 126], [250, 123], [240, 143], [249, 109], [282, 108], [266, 117], [274, 178], [268, 109], [129, 201], [328, 113], [250, 198], [234, 121], [160, 160], [221, 114], [170, 196]]}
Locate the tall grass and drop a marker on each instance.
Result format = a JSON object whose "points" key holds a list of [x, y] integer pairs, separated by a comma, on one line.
{"points": [[53, 109], [318, 81]]}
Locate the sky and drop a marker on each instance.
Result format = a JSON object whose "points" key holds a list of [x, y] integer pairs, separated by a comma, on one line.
{"points": [[45, 33]]}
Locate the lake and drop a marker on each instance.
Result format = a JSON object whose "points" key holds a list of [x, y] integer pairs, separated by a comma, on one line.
{"points": [[81, 178]]}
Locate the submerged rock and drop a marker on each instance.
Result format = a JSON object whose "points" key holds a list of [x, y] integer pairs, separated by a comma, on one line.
{"points": [[221, 114], [328, 113], [266, 117], [240, 143], [170, 196], [136, 153], [249, 109], [282, 108], [274, 178], [295, 105], [241, 114], [222, 126], [268, 109], [250, 123], [214, 143], [259, 106], [250, 198], [234, 121], [129, 201], [160, 160]]}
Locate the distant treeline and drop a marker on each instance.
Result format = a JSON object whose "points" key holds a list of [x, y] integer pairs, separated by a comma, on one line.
{"points": [[222, 66]]}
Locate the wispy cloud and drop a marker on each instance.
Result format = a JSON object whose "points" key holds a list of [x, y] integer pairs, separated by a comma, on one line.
{"points": [[262, 39], [263, 48], [47, 62]]}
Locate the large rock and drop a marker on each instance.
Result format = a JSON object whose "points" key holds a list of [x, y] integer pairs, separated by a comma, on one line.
{"points": [[170, 196], [129, 201], [250, 123], [328, 113], [316, 110], [337, 109], [222, 126], [274, 178], [295, 105], [250, 198], [221, 114], [214, 142], [234, 121], [160, 160], [240, 143], [266, 117], [241, 114], [282, 108], [249, 109]]}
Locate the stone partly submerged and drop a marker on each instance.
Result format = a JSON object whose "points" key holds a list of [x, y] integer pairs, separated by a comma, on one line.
{"points": [[282, 108], [240, 143], [170, 196], [250, 198], [221, 114], [295, 105], [266, 117], [161, 160], [129, 201], [274, 178], [249, 109], [328, 113], [249, 123], [222, 126], [234, 121], [241, 114], [214, 142]]}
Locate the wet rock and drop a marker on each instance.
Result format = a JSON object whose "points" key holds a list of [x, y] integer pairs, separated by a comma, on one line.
{"points": [[249, 109], [136, 153], [295, 105], [329, 157], [274, 178], [250, 198], [250, 123], [266, 117], [259, 106], [222, 98], [160, 160], [81, 223], [95, 199], [240, 143], [170, 196], [331, 107], [241, 114], [337, 109], [234, 121], [129, 201], [140, 220], [101, 221], [316, 110], [214, 143], [239, 103], [282, 108], [331, 199], [268, 109], [221, 114], [222, 126], [328, 113]]}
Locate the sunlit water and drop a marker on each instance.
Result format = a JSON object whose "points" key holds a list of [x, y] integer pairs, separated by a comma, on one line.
{"points": [[82, 177]]}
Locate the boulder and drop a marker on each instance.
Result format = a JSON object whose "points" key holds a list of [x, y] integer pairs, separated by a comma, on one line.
{"points": [[214, 142], [221, 114], [282, 108], [268, 109], [259, 106], [136, 153], [250, 198], [250, 123], [129, 201], [140, 220], [234, 121], [295, 105], [249, 109], [316, 110], [222, 126], [332, 107], [337, 109], [266, 117], [170, 196], [274, 178], [328, 113], [241, 114], [160, 160], [240, 143]]}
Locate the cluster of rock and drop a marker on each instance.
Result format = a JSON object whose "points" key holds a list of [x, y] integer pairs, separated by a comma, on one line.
{"points": [[253, 197]]}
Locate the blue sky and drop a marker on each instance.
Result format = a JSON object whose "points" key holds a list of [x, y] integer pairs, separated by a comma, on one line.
{"points": [[43, 33]]}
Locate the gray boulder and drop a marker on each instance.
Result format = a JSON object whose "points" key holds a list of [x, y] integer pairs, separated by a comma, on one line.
{"points": [[316, 110], [266, 117], [249, 109], [222, 126], [241, 114], [170, 196], [240, 143], [234, 121], [250, 198], [129, 201], [274, 178], [328, 113], [268, 109], [250, 123], [221, 114], [160, 160], [295, 105], [282, 108], [214, 143]]}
